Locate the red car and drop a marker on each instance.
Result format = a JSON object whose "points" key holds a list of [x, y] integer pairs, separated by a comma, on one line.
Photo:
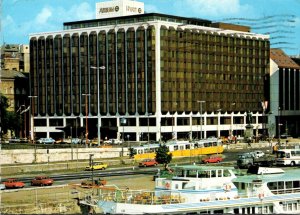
{"points": [[212, 159], [42, 181], [148, 162], [13, 183]]}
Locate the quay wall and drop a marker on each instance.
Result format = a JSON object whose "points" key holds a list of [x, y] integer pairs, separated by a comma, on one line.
{"points": [[29, 156]]}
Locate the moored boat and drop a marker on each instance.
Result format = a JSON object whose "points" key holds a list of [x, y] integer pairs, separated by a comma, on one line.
{"points": [[205, 189]]}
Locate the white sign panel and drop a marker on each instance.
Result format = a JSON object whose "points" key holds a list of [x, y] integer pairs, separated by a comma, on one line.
{"points": [[118, 8]]}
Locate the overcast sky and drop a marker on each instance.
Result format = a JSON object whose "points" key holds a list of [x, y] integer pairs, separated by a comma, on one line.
{"points": [[280, 18]]}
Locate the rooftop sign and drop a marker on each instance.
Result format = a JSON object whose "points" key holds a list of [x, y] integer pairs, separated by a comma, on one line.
{"points": [[118, 8]]}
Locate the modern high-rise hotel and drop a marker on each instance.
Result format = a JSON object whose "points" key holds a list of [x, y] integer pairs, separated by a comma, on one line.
{"points": [[147, 76]]}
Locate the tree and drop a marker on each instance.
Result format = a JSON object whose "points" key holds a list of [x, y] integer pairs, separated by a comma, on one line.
{"points": [[8, 120], [163, 156]]}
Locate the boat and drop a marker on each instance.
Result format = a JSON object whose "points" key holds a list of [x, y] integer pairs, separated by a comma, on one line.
{"points": [[195, 189], [181, 148]]}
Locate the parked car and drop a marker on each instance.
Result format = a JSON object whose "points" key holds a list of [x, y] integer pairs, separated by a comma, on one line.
{"points": [[258, 154], [46, 140], [14, 140], [2, 186], [13, 183], [42, 181], [96, 182], [148, 162], [113, 141], [212, 159], [97, 166]]}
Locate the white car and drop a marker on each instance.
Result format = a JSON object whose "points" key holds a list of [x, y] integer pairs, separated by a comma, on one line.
{"points": [[258, 154], [113, 141]]}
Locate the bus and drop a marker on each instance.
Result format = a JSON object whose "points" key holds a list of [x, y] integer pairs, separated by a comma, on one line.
{"points": [[181, 148], [289, 157]]}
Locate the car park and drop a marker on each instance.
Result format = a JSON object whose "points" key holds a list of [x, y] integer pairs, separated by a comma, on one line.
{"points": [[212, 159], [42, 181], [97, 166], [148, 162], [13, 183]]}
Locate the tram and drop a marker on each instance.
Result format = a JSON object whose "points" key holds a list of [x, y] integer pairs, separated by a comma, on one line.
{"points": [[181, 148]]}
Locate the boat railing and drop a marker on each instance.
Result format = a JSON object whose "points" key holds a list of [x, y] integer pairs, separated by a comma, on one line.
{"points": [[138, 197], [286, 191]]}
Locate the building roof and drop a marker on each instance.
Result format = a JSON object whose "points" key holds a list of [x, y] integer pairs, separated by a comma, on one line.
{"points": [[137, 18], [282, 60], [10, 74]]}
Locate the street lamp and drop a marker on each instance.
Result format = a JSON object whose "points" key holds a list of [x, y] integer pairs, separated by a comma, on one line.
{"points": [[149, 114], [32, 117], [218, 128], [86, 117], [98, 100], [123, 122], [279, 124], [200, 104], [92, 167]]}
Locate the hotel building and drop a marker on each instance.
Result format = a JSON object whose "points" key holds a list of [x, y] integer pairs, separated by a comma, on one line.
{"points": [[147, 76]]}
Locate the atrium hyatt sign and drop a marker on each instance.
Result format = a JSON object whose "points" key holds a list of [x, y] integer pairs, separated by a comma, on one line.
{"points": [[117, 8]]}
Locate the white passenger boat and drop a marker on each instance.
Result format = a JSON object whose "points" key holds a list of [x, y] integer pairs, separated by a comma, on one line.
{"points": [[196, 189]]}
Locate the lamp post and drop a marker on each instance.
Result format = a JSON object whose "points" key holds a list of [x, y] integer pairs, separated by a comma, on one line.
{"points": [[32, 117], [218, 128], [92, 167], [201, 102], [32, 136], [86, 117], [149, 114], [279, 124], [98, 100]]}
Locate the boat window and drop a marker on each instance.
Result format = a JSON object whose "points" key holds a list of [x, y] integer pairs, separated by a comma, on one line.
{"points": [[140, 151], [181, 147], [226, 173], [296, 184], [204, 174], [175, 148], [215, 144], [187, 146], [192, 173], [220, 173], [288, 185], [213, 174], [196, 145]]}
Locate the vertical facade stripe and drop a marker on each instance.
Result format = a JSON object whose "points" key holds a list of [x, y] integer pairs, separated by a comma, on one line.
{"points": [[126, 74], [117, 77], [71, 77], [46, 77], [146, 73], [80, 75], [63, 75], [107, 82], [54, 77], [135, 73]]}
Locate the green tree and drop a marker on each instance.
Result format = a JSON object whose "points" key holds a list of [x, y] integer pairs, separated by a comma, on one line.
{"points": [[8, 120], [163, 156], [132, 152]]}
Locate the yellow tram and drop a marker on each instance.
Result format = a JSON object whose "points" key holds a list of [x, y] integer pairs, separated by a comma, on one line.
{"points": [[181, 148]]}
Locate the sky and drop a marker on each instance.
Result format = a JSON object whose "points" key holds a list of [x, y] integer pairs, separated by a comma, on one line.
{"points": [[278, 18]]}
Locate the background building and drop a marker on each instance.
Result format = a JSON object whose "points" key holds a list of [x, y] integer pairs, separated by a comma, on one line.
{"points": [[161, 73], [284, 117]]}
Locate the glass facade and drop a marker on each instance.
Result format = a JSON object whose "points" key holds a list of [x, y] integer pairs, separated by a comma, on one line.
{"points": [[120, 71]]}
